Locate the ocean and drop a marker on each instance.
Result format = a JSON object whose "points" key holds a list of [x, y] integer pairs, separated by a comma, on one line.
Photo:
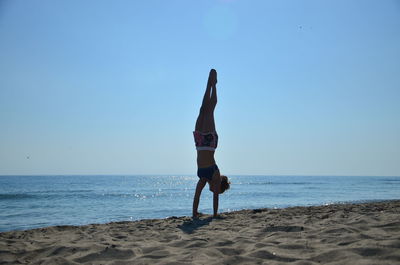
{"points": [[38, 201]]}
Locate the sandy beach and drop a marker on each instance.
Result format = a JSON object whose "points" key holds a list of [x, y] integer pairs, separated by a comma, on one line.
{"points": [[334, 234]]}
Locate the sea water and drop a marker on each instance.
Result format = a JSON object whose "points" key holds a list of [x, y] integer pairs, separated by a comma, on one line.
{"points": [[38, 201]]}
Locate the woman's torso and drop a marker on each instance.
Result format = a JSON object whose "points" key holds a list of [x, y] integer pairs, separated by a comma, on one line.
{"points": [[205, 158]]}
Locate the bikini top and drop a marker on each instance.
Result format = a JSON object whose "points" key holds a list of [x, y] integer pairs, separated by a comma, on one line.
{"points": [[205, 141]]}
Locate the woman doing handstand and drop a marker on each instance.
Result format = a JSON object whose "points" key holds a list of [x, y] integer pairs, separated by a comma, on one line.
{"points": [[206, 140]]}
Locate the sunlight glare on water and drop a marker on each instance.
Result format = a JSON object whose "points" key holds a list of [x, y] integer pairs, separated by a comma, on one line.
{"points": [[38, 201]]}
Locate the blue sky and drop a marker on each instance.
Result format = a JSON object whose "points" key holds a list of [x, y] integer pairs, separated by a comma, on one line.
{"points": [[114, 87]]}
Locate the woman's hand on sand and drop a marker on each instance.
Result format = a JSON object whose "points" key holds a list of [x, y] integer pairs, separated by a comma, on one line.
{"points": [[196, 215]]}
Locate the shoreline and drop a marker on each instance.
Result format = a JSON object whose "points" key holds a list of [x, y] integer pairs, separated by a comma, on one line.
{"points": [[208, 214], [345, 233]]}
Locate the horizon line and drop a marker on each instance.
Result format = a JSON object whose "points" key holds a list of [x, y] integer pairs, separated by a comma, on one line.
{"points": [[194, 175]]}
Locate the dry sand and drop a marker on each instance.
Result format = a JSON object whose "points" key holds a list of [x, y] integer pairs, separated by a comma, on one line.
{"points": [[338, 234]]}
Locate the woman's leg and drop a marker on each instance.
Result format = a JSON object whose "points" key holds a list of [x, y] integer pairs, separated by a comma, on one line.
{"points": [[203, 108], [205, 120], [208, 124], [213, 104]]}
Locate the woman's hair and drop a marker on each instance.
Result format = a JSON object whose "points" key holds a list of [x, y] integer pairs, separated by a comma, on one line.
{"points": [[225, 183]]}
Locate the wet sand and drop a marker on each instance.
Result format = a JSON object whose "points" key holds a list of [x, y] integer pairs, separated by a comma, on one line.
{"points": [[353, 234]]}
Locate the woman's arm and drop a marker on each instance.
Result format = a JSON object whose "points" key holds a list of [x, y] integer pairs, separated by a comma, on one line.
{"points": [[215, 202], [200, 185], [216, 189]]}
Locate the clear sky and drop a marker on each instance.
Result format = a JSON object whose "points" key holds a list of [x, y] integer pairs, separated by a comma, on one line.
{"points": [[114, 87]]}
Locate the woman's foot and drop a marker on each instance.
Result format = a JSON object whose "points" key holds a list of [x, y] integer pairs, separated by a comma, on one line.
{"points": [[212, 78]]}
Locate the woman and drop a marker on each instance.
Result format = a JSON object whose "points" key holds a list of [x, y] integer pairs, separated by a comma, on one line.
{"points": [[206, 140]]}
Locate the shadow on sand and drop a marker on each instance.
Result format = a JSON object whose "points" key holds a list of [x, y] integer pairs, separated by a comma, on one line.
{"points": [[190, 226]]}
